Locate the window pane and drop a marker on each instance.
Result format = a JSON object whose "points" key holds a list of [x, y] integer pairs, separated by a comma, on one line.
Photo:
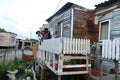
{"points": [[104, 30]]}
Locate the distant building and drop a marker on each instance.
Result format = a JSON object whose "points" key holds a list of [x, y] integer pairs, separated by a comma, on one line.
{"points": [[25, 44], [7, 39], [73, 21]]}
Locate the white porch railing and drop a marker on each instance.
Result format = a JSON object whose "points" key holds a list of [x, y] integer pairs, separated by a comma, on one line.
{"points": [[53, 52], [111, 49], [76, 46]]}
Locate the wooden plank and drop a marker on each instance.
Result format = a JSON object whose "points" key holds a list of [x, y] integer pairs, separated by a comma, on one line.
{"points": [[100, 69], [51, 68], [109, 49], [117, 49], [106, 49], [113, 49], [74, 72], [86, 44], [75, 57], [82, 46], [116, 70], [67, 45], [64, 46], [53, 61], [60, 63], [70, 46], [73, 45], [42, 74], [76, 66], [78, 46], [87, 63], [103, 49], [59, 77], [88, 47]]}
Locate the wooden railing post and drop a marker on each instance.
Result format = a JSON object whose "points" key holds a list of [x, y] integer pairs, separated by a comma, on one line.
{"points": [[116, 69], [59, 77], [101, 64], [42, 74]]}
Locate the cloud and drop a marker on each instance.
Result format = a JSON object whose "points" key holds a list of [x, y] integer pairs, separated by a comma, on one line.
{"points": [[26, 16]]}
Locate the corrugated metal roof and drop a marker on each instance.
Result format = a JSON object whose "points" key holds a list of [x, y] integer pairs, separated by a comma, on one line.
{"points": [[106, 3]]}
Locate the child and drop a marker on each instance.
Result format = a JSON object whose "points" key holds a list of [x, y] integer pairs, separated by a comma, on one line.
{"points": [[39, 36]]}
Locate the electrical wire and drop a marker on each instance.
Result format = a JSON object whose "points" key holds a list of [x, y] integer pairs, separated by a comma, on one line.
{"points": [[58, 5]]}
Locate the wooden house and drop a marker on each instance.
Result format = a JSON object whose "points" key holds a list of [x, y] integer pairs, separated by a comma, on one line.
{"points": [[7, 39], [73, 21], [107, 16]]}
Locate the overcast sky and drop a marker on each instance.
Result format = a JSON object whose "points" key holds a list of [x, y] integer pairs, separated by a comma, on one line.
{"points": [[24, 17]]}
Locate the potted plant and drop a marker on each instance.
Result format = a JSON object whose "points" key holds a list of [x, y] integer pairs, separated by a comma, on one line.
{"points": [[12, 70]]}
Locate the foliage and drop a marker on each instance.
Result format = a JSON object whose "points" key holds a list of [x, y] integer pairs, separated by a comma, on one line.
{"points": [[28, 71], [29, 48], [2, 30], [12, 66], [66, 62], [3, 68], [24, 68], [33, 40]]}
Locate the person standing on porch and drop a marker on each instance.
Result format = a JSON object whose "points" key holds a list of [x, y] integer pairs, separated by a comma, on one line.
{"points": [[39, 36], [47, 34]]}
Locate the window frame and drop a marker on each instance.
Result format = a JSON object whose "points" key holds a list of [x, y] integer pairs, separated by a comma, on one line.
{"points": [[109, 24]]}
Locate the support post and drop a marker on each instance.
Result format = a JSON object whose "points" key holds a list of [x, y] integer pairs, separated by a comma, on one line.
{"points": [[42, 74], [116, 70], [89, 62], [101, 64], [22, 48], [59, 77]]}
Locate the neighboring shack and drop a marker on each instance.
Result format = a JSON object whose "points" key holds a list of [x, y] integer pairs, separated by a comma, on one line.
{"points": [[7, 39], [107, 16], [73, 21]]}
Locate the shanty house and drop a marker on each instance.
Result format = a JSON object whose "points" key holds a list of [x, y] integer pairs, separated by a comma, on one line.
{"points": [[107, 16], [73, 21], [7, 39]]}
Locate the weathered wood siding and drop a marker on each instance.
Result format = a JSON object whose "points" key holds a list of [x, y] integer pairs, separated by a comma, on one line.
{"points": [[65, 20], [84, 26], [114, 17], [75, 22]]}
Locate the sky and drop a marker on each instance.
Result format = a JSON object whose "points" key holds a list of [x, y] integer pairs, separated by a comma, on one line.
{"points": [[24, 17]]}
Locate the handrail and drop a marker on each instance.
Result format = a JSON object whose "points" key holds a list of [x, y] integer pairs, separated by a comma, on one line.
{"points": [[52, 45], [66, 46]]}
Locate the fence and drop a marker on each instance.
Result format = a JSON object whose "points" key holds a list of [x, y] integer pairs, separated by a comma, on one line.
{"points": [[110, 49], [53, 53]]}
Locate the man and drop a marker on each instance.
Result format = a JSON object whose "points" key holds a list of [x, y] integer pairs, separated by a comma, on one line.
{"points": [[47, 34]]}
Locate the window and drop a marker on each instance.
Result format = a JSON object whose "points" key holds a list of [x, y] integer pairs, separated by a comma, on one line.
{"points": [[58, 30], [104, 30]]}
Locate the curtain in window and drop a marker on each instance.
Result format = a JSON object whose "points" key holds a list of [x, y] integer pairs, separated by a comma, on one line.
{"points": [[104, 30]]}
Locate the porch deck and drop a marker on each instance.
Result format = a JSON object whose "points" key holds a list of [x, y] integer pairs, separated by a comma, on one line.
{"points": [[64, 56]]}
